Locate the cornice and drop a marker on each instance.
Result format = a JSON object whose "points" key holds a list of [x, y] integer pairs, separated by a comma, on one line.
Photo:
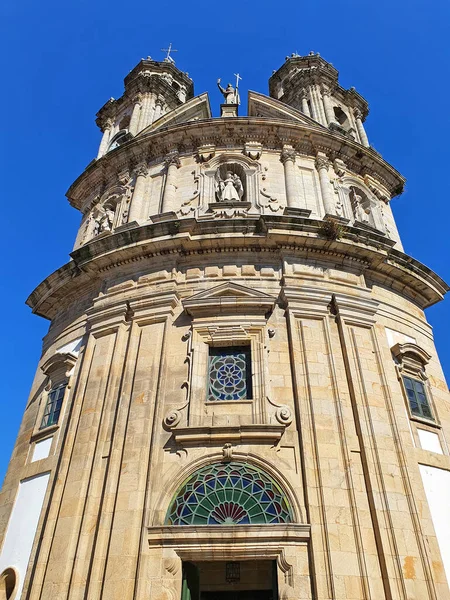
{"points": [[284, 236], [273, 134]]}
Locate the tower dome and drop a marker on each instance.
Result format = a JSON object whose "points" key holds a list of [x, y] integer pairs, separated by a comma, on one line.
{"points": [[239, 394]]}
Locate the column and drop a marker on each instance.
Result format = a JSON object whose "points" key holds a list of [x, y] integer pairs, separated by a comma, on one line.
{"points": [[158, 110], [137, 201], [329, 113], [313, 110], [135, 116], [305, 107], [173, 164], [322, 165], [360, 127], [288, 159], [145, 109], [105, 139], [318, 105]]}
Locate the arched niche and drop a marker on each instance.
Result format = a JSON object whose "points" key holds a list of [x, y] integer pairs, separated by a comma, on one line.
{"points": [[108, 213], [245, 168], [229, 493], [8, 584], [359, 204]]}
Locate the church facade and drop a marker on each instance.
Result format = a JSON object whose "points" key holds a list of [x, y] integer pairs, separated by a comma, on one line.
{"points": [[239, 396]]}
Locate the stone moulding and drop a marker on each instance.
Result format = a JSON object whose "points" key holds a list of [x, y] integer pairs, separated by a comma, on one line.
{"points": [[241, 541], [258, 433], [269, 132], [373, 253]]}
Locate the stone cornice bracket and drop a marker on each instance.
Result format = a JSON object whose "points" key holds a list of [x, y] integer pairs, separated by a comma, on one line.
{"points": [[141, 169], [287, 154], [340, 168], [172, 158], [253, 150], [206, 152]]}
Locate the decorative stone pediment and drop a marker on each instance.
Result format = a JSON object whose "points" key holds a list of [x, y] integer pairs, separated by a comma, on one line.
{"points": [[263, 106], [194, 110], [411, 358], [59, 366], [229, 298]]}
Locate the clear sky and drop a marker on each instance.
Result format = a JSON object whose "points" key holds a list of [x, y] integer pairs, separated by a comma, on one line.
{"points": [[61, 61]]}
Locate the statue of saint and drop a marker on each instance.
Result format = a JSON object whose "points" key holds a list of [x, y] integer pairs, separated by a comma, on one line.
{"points": [[104, 221], [230, 94], [361, 212], [229, 189]]}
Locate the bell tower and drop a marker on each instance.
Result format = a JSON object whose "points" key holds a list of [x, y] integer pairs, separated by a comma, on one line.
{"points": [[310, 84], [152, 89]]}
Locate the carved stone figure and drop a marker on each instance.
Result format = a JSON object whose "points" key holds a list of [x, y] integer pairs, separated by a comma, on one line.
{"points": [[229, 189], [104, 221], [361, 213], [230, 94]]}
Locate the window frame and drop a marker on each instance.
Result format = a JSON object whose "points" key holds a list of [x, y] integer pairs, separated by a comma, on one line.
{"points": [[54, 404], [417, 382], [247, 350]]}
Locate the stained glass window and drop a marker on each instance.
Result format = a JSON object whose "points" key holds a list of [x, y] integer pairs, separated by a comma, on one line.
{"points": [[417, 397], [229, 494], [53, 406], [230, 376]]}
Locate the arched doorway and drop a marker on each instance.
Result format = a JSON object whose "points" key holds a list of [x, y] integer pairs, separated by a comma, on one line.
{"points": [[222, 495]]}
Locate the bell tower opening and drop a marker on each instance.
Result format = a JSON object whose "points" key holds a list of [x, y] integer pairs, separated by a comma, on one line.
{"points": [[230, 580]]}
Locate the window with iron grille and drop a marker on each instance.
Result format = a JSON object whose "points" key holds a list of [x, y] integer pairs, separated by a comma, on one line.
{"points": [[53, 406], [418, 401]]}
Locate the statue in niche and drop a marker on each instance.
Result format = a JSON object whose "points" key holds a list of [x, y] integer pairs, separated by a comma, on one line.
{"points": [[229, 189], [361, 209], [104, 221]]}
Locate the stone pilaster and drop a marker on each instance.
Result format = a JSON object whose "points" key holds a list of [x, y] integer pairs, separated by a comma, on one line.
{"points": [[288, 159]]}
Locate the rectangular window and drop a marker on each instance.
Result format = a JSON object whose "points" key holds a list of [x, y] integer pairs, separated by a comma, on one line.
{"points": [[230, 373], [53, 406], [417, 398]]}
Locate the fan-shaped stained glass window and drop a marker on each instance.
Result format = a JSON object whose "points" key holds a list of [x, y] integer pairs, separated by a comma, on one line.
{"points": [[229, 494], [230, 374]]}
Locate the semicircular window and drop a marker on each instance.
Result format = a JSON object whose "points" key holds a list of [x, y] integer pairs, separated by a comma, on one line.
{"points": [[229, 494]]}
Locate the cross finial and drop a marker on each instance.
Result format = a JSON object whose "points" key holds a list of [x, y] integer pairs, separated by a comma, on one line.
{"points": [[169, 50], [238, 77]]}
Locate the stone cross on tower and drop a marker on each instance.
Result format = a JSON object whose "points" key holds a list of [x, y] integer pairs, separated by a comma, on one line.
{"points": [[169, 50]]}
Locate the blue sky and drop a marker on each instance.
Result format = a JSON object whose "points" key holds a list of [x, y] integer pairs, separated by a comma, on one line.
{"points": [[60, 62]]}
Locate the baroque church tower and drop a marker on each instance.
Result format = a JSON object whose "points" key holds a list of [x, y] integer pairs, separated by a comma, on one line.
{"points": [[239, 396]]}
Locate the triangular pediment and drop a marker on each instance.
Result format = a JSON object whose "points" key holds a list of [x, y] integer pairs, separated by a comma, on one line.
{"points": [[260, 105], [194, 110], [229, 297]]}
